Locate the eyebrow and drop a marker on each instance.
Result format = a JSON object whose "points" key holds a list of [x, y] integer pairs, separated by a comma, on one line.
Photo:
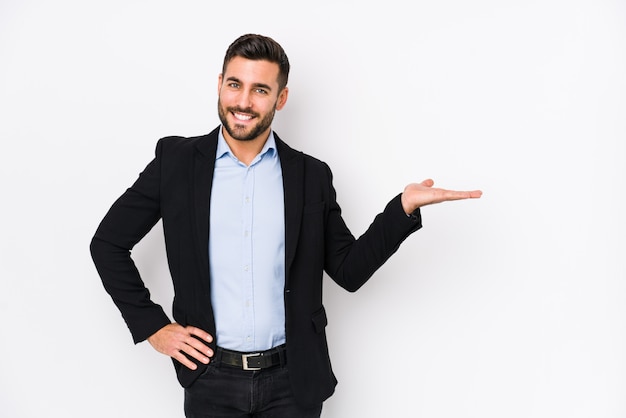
{"points": [[255, 85]]}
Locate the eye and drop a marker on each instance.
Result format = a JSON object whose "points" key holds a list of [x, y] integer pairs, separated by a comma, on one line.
{"points": [[261, 91], [233, 85]]}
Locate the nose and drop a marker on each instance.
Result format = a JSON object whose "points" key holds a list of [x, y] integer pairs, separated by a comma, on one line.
{"points": [[244, 99]]}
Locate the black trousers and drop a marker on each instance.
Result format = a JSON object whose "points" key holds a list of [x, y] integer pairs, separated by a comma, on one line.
{"points": [[228, 392]]}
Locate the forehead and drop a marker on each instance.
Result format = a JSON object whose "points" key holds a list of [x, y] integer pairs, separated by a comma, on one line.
{"points": [[252, 71]]}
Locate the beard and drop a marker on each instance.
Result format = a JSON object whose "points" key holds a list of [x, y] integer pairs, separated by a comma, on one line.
{"points": [[240, 132]]}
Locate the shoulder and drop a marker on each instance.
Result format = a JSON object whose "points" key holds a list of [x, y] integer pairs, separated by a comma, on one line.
{"points": [[310, 162], [181, 145]]}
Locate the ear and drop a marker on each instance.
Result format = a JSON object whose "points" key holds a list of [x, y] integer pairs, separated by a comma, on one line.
{"points": [[282, 98], [219, 83]]}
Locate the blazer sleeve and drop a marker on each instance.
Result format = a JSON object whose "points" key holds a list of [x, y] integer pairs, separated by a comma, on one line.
{"points": [[351, 262], [128, 220]]}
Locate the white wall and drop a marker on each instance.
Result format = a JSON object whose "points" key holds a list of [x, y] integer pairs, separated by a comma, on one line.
{"points": [[508, 306]]}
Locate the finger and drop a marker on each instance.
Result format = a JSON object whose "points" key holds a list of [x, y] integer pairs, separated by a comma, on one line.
{"points": [[182, 359], [204, 336], [198, 332], [428, 183], [195, 353], [203, 349], [458, 195]]}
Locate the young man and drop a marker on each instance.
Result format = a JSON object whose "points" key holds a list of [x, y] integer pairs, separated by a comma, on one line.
{"points": [[250, 226]]}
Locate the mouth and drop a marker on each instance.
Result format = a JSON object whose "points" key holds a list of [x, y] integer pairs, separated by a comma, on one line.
{"points": [[242, 117]]}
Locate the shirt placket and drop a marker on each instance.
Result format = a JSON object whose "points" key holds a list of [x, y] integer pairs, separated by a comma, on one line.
{"points": [[247, 271]]}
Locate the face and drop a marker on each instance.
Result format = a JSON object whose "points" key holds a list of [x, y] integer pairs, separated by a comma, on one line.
{"points": [[249, 97]]}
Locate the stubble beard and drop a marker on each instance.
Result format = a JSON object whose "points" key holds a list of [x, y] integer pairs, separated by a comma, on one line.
{"points": [[240, 132]]}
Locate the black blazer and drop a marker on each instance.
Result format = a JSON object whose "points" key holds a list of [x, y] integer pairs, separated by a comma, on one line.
{"points": [[176, 188]]}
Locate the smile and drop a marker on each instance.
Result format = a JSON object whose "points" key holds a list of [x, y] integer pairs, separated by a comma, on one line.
{"points": [[241, 116]]}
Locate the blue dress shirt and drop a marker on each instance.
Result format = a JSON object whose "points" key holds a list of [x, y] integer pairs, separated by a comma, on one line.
{"points": [[247, 249]]}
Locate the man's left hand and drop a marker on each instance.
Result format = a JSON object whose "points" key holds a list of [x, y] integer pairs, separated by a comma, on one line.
{"points": [[416, 195]]}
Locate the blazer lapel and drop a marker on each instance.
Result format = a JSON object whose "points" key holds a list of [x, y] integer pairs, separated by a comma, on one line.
{"points": [[292, 164], [202, 179]]}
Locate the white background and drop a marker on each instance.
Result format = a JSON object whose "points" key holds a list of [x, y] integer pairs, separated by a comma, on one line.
{"points": [[508, 306]]}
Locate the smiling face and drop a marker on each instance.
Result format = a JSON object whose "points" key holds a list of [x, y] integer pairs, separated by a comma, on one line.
{"points": [[249, 96]]}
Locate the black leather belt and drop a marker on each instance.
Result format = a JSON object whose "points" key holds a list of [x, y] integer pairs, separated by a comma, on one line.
{"points": [[252, 361]]}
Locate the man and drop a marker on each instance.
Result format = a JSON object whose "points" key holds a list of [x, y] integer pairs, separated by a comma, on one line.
{"points": [[250, 226]]}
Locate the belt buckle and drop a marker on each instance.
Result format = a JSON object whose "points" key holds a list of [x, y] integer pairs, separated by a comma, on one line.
{"points": [[244, 361]]}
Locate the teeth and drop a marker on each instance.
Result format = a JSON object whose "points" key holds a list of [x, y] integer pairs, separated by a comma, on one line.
{"points": [[241, 116]]}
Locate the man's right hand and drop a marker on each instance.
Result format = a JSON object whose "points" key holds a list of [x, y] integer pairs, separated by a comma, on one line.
{"points": [[173, 340]]}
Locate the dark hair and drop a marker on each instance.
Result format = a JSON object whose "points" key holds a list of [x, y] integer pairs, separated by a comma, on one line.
{"points": [[259, 47]]}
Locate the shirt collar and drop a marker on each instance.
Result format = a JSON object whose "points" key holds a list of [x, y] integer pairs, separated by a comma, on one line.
{"points": [[223, 149]]}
